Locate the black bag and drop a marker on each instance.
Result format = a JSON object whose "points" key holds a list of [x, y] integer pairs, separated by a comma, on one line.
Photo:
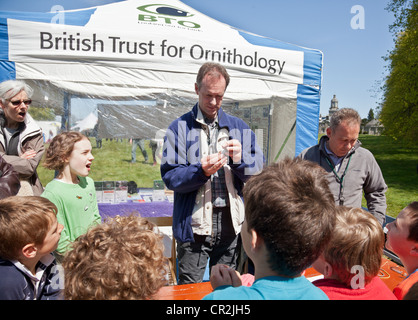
{"points": [[132, 187]]}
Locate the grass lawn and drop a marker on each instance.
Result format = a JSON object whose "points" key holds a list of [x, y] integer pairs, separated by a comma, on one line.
{"points": [[398, 164]]}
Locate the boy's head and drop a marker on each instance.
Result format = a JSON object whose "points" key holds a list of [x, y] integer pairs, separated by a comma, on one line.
{"points": [[120, 259], [60, 149], [357, 240], [402, 236], [27, 221], [290, 206]]}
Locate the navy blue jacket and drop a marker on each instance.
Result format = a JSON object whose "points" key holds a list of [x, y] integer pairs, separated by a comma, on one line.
{"points": [[181, 169], [17, 285]]}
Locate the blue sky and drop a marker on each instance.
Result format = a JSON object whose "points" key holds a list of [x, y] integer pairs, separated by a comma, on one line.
{"points": [[353, 63]]}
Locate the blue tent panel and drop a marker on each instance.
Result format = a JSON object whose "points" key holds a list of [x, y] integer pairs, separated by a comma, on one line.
{"points": [[7, 70], [307, 116]]}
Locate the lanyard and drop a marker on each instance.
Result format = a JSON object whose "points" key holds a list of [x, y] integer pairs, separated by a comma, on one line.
{"points": [[340, 179]]}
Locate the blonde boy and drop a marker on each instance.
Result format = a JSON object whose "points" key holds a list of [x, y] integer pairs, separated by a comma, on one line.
{"points": [[29, 232], [351, 261]]}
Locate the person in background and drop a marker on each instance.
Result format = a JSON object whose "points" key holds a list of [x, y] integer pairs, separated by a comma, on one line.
{"points": [[72, 191], [121, 259], [208, 155], [21, 139], [351, 169], [141, 144], [153, 144], [402, 239], [29, 233], [351, 260]]}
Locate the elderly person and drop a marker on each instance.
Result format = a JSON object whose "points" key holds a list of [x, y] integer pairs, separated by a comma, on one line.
{"points": [[351, 169], [21, 142]]}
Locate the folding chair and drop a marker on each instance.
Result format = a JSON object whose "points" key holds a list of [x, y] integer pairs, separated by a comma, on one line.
{"points": [[163, 223]]}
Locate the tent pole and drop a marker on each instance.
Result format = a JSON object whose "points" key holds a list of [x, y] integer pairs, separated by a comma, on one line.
{"points": [[284, 142], [65, 121]]}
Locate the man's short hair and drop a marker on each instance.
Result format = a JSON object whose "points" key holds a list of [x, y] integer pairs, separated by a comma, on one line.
{"points": [[212, 68], [345, 114]]}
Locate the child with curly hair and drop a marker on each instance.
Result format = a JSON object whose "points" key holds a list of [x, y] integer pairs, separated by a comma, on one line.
{"points": [[120, 259], [72, 191]]}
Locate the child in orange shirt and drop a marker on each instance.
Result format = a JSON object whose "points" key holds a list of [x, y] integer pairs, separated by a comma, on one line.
{"points": [[402, 239]]}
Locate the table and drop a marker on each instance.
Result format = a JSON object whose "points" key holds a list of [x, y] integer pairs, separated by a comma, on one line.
{"points": [[390, 272], [145, 209], [194, 291]]}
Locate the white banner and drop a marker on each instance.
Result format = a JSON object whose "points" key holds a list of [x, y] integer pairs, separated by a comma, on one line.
{"points": [[152, 37]]}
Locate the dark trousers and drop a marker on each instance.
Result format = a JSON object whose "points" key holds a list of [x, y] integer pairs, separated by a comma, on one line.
{"points": [[222, 247]]}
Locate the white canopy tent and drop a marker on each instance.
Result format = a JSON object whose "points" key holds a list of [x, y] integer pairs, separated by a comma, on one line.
{"points": [[125, 53]]}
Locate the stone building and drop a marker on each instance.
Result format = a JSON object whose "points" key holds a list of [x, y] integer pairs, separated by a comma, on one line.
{"points": [[373, 127]]}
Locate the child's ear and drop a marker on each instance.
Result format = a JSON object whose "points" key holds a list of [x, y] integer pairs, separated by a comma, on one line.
{"points": [[256, 240], [29, 250], [327, 270]]}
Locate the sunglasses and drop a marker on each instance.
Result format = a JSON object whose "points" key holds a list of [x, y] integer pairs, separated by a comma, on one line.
{"points": [[19, 102]]}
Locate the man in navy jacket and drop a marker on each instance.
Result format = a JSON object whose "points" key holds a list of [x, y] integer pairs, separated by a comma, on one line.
{"points": [[208, 155]]}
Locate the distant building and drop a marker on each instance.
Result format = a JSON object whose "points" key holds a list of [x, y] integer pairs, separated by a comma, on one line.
{"points": [[373, 127], [334, 106]]}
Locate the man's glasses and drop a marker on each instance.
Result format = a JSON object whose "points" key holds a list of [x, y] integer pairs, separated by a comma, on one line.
{"points": [[19, 102]]}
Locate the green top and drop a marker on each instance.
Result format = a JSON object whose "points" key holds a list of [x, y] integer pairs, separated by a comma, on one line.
{"points": [[77, 208]]}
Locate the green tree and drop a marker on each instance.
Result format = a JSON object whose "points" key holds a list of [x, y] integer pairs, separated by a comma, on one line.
{"points": [[40, 113], [399, 113], [370, 116]]}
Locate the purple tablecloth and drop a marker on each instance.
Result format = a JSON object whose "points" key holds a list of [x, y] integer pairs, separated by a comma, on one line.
{"points": [[145, 209]]}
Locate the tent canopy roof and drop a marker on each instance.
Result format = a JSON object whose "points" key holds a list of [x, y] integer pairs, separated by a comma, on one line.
{"points": [[139, 50]]}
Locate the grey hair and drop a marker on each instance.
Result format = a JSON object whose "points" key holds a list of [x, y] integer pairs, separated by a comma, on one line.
{"points": [[345, 114], [10, 88]]}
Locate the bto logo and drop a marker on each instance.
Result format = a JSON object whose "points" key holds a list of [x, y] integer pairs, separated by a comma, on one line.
{"points": [[166, 14]]}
